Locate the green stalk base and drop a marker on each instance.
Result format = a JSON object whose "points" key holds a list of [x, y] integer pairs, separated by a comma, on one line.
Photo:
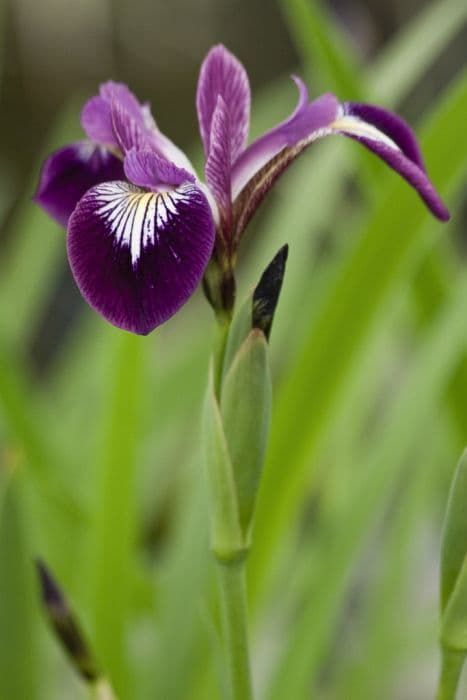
{"points": [[232, 585], [452, 663]]}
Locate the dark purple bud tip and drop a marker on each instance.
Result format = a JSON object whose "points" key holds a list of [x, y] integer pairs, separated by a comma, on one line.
{"points": [[52, 596], [266, 294], [65, 626]]}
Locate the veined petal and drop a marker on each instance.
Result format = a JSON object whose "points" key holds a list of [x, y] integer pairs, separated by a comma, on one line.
{"points": [[390, 138], [309, 121], [138, 256], [218, 166], [387, 135], [130, 132], [147, 169], [116, 118], [96, 121], [96, 115], [223, 74], [69, 172]]}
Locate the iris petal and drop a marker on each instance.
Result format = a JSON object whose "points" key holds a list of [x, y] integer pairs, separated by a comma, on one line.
{"points": [[382, 132], [147, 169], [305, 124], [392, 140], [69, 172], [138, 256], [116, 118], [218, 170], [223, 74]]}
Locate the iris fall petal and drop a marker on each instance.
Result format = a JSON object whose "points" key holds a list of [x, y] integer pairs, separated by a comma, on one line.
{"points": [[69, 172], [138, 256]]}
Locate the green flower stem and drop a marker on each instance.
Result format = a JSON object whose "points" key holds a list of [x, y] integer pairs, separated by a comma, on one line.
{"points": [[222, 330], [232, 585], [229, 552], [451, 668]]}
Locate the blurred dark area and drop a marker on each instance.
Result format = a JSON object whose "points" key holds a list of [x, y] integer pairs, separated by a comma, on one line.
{"points": [[56, 49]]}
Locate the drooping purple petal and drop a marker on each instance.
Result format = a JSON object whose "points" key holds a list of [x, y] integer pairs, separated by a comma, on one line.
{"points": [[390, 138], [223, 74], [390, 124], [69, 172], [387, 135], [309, 121], [147, 169], [138, 256], [218, 166]]}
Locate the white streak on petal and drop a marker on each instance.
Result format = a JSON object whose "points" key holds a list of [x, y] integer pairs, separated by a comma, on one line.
{"points": [[357, 127], [136, 218]]}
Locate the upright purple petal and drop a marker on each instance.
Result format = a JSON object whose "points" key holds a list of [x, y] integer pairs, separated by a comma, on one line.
{"points": [[138, 256], [130, 132], [147, 169], [69, 172], [305, 124], [116, 118], [96, 115], [223, 74], [218, 167], [96, 121], [390, 138]]}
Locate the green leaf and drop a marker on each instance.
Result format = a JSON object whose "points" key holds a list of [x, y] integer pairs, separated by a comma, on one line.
{"points": [[374, 487], [226, 534], [454, 542], [324, 45], [370, 273], [246, 413], [398, 68], [454, 619], [113, 525], [19, 642]]}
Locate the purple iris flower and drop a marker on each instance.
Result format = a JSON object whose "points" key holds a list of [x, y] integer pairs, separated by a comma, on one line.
{"points": [[142, 227]]}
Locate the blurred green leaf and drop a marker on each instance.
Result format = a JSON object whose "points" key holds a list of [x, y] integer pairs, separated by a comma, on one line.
{"points": [[454, 542], [372, 271], [20, 658], [113, 526], [409, 418], [323, 45], [397, 68], [454, 619]]}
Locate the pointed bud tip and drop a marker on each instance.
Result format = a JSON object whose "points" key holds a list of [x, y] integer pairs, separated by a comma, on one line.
{"points": [[266, 294], [50, 591]]}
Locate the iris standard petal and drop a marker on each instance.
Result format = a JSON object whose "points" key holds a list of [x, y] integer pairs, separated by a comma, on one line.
{"points": [[69, 172], [223, 74], [309, 121], [390, 138], [218, 168], [138, 256], [116, 118], [96, 115], [147, 169]]}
